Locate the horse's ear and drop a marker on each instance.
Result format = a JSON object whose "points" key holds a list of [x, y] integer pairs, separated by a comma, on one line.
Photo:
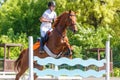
{"points": [[70, 11]]}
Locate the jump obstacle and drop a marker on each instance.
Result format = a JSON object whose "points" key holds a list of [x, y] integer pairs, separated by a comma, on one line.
{"points": [[71, 62]]}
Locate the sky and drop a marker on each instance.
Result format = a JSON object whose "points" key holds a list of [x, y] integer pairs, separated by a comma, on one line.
{"points": [[1, 1]]}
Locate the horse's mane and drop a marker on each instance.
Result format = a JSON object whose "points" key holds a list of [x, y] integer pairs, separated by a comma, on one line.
{"points": [[58, 19]]}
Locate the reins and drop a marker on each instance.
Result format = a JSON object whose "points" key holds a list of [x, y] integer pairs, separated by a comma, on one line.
{"points": [[60, 33]]}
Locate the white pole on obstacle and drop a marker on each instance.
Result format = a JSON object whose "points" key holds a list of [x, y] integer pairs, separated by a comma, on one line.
{"points": [[108, 59], [31, 58]]}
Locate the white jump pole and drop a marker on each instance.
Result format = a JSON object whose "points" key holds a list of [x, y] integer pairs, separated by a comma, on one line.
{"points": [[108, 59], [31, 58]]}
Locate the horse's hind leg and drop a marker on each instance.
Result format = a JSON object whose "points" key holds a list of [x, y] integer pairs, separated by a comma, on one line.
{"points": [[22, 71]]}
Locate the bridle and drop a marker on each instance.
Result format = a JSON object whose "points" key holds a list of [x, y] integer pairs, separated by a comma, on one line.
{"points": [[70, 20]]}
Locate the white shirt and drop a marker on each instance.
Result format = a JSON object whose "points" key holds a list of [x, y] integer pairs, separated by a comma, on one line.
{"points": [[45, 26]]}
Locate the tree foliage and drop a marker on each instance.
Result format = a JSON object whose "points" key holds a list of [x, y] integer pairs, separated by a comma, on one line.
{"points": [[11, 37], [22, 16], [96, 19]]}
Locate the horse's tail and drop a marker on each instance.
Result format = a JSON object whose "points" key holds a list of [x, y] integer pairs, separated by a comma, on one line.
{"points": [[18, 62]]}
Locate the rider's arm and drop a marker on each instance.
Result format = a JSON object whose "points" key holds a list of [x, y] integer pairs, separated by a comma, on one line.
{"points": [[42, 19]]}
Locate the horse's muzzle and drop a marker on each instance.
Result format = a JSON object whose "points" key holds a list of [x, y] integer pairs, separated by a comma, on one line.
{"points": [[74, 31]]}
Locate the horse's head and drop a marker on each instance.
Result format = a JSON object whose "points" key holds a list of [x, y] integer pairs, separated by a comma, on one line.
{"points": [[68, 18], [71, 21]]}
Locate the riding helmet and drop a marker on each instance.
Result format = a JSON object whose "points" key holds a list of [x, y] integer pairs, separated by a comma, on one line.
{"points": [[51, 3]]}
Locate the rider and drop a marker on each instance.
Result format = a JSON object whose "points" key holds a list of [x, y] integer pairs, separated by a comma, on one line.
{"points": [[47, 18]]}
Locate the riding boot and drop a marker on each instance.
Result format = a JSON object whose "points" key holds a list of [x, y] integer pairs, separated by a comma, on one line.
{"points": [[46, 37], [38, 39], [42, 41]]}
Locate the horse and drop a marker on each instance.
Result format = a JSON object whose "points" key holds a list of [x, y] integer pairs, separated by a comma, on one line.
{"points": [[57, 43]]}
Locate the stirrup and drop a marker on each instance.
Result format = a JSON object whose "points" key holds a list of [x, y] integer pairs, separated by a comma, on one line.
{"points": [[41, 51]]}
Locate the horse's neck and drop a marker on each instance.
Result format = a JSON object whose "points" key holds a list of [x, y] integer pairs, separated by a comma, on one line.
{"points": [[60, 32], [61, 27], [60, 23]]}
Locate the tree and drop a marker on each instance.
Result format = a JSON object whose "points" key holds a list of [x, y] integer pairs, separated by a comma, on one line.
{"points": [[22, 16], [96, 19]]}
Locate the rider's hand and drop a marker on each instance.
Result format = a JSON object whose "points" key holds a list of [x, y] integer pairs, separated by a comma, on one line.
{"points": [[50, 21]]}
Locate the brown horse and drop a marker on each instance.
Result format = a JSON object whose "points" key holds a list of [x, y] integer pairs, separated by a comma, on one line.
{"points": [[57, 43]]}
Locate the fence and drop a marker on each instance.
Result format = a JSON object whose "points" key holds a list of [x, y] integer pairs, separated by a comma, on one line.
{"points": [[71, 62]]}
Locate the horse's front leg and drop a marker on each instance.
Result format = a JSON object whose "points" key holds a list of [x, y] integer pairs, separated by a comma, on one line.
{"points": [[67, 45], [38, 67], [69, 48]]}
